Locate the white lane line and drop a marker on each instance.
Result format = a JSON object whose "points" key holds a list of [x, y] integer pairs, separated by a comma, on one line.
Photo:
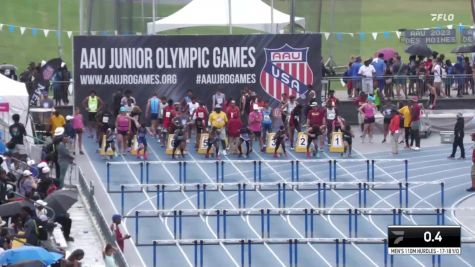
{"points": [[377, 195], [113, 204], [194, 207], [281, 216], [302, 197], [234, 207], [410, 190], [155, 208]]}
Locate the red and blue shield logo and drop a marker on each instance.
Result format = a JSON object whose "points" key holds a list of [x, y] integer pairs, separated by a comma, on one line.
{"points": [[286, 71]]}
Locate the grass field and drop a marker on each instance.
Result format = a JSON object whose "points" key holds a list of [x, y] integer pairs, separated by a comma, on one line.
{"points": [[350, 16]]}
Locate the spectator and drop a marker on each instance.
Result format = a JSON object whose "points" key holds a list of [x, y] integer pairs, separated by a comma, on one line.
{"points": [[56, 121], [415, 124], [468, 76], [234, 127], [123, 126], [46, 102], [458, 137], [65, 80], [218, 99], [459, 73], [46, 184], [367, 71], [191, 107], [449, 79], [78, 126], [412, 73], [356, 81], [152, 113], [29, 226], [64, 160], [331, 116], [399, 70], [109, 256], [74, 260], [128, 101], [116, 232], [3, 147], [27, 184], [387, 115], [388, 81], [394, 130], [92, 104], [380, 69], [405, 111], [245, 104], [472, 173], [56, 84], [368, 110], [266, 124], [116, 101], [255, 121], [436, 88], [70, 133], [17, 133]]}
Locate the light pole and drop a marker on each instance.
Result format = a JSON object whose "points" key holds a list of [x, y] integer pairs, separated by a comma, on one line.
{"points": [[58, 33]]}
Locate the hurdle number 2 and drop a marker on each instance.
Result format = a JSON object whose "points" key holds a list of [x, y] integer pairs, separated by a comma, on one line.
{"points": [[303, 141]]}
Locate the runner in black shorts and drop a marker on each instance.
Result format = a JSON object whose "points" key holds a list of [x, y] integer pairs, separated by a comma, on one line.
{"points": [[347, 140], [313, 134]]}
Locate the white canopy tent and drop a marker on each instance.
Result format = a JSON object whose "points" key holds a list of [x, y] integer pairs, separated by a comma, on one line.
{"points": [[251, 14], [14, 93]]}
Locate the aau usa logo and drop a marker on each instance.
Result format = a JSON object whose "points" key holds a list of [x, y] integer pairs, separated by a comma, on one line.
{"points": [[286, 71]]}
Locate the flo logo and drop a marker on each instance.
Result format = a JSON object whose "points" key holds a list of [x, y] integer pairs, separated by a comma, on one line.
{"points": [[442, 17], [286, 71]]}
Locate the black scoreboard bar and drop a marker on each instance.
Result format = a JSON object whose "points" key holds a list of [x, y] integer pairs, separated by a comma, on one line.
{"points": [[423, 239]]}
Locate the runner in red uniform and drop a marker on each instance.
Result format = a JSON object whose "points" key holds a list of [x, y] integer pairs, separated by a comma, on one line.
{"points": [[168, 115]]}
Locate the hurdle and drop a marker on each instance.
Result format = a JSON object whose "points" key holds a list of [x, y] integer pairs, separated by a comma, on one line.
{"points": [[144, 168], [265, 215], [198, 247], [320, 189]]}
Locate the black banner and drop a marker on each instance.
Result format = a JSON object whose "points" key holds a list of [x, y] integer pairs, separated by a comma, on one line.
{"points": [[170, 65]]}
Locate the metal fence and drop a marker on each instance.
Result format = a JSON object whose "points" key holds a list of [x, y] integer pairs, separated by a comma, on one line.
{"points": [[87, 190]]}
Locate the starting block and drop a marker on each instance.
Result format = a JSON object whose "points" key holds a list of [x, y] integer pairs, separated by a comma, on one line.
{"points": [[301, 145], [270, 144], [169, 148]]}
